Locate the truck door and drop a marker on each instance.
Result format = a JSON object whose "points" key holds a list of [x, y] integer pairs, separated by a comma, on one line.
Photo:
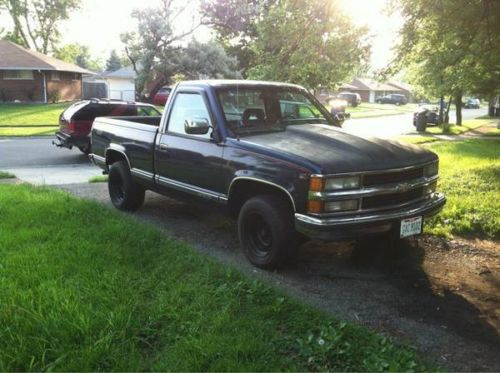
{"points": [[190, 163]]}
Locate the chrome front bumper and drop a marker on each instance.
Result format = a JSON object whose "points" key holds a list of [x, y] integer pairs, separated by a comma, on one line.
{"points": [[356, 225]]}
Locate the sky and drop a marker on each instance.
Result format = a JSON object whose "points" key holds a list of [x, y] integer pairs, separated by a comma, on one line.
{"points": [[99, 23]]}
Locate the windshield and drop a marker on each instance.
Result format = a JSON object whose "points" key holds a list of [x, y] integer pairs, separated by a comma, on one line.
{"points": [[267, 109]]}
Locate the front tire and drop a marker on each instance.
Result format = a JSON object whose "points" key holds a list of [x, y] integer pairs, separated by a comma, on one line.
{"points": [[266, 231], [124, 192]]}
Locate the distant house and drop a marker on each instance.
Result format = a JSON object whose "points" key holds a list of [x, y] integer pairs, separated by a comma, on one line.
{"points": [[369, 89], [117, 85], [30, 76]]}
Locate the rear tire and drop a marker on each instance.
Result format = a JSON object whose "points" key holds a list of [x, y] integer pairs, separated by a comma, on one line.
{"points": [[266, 231], [124, 192]]}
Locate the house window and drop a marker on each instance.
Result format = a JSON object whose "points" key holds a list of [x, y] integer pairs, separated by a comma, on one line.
{"points": [[54, 75], [75, 76], [18, 75]]}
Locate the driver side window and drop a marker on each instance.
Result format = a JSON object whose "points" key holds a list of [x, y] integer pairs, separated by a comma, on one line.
{"points": [[187, 106]]}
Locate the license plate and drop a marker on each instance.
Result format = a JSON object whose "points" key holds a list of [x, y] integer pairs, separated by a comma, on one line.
{"points": [[410, 227]]}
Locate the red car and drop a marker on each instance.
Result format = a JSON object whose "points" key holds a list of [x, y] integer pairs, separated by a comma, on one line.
{"points": [[161, 96], [75, 123]]}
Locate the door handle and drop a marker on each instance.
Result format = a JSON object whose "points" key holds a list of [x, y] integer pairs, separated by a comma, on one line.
{"points": [[163, 146]]}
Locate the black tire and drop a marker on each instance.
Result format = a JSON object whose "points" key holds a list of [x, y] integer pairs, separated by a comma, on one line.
{"points": [[266, 231], [421, 123], [125, 194]]}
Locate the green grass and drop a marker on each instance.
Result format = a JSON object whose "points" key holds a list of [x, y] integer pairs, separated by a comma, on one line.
{"points": [[6, 175], [493, 132], [99, 179], [470, 178], [27, 131], [31, 114], [466, 126], [417, 139], [366, 110], [86, 288]]}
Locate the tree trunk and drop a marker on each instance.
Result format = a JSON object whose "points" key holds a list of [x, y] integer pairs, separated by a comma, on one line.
{"points": [[458, 108], [447, 114], [440, 117]]}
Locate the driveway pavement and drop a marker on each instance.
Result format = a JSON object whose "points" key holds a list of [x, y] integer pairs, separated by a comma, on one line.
{"points": [[37, 161]]}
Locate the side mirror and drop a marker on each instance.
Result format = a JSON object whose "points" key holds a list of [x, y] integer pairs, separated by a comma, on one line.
{"points": [[196, 126]]}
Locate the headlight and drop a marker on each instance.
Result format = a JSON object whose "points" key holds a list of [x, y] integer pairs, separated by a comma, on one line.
{"points": [[347, 205], [336, 183], [431, 169]]}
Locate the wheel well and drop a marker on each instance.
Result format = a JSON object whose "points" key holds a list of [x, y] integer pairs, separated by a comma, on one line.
{"points": [[242, 190], [113, 156]]}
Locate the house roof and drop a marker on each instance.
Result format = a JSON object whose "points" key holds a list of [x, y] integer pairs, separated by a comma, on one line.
{"points": [[401, 85], [365, 84], [126, 72], [347, 86], [15, 57]]}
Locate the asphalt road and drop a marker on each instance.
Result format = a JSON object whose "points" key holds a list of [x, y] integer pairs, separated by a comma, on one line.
{"points": [[37, 161], [392, 126]]}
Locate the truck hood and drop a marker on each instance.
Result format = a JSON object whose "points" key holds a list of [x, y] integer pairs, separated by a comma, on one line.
{"points": [[334, 151]]}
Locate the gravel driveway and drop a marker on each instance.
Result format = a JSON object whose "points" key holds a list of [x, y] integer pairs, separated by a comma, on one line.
{"points": [[443, 297]]}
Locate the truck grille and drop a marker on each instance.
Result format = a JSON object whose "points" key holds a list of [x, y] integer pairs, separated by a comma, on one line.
{"points": [[393, 177], [392, 199]]}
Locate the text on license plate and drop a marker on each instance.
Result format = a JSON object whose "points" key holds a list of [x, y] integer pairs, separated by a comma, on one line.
{"points": [[411, 226]]}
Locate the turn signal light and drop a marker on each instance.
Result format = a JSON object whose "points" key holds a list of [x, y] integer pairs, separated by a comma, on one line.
{"points": [[314, 206], [316, 184]]}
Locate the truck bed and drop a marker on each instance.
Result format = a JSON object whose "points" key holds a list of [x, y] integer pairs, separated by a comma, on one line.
{"points": [[133, 136]]}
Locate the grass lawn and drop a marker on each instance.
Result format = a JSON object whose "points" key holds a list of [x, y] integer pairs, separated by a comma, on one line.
{"points": [[27, 131], [86, 288], [366, 110], [31, 114], [466, 126], [6, 175], [417, 139], [470, 178]]}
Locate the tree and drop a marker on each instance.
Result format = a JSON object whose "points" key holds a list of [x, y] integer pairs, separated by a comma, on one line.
{"points": [[36, 21], [79, 55], [308, 42], [157, 52], [114, 62], [208, 60], [448, 51], [235, 22]]}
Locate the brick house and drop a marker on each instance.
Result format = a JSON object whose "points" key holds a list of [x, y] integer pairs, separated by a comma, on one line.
{"points": [[30, 76]]}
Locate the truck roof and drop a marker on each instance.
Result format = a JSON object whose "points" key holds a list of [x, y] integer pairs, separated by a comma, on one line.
{"points": [[234, 82]]}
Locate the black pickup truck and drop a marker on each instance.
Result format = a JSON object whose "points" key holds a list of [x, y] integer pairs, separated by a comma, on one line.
{"points": [[272, 155]]}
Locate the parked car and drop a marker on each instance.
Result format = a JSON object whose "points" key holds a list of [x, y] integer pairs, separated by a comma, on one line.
{"points": [[425, 115], [353, 99], [338, 108], [161, 97], [76, 121], [393, 98], [472, 103], [283, 178]]}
